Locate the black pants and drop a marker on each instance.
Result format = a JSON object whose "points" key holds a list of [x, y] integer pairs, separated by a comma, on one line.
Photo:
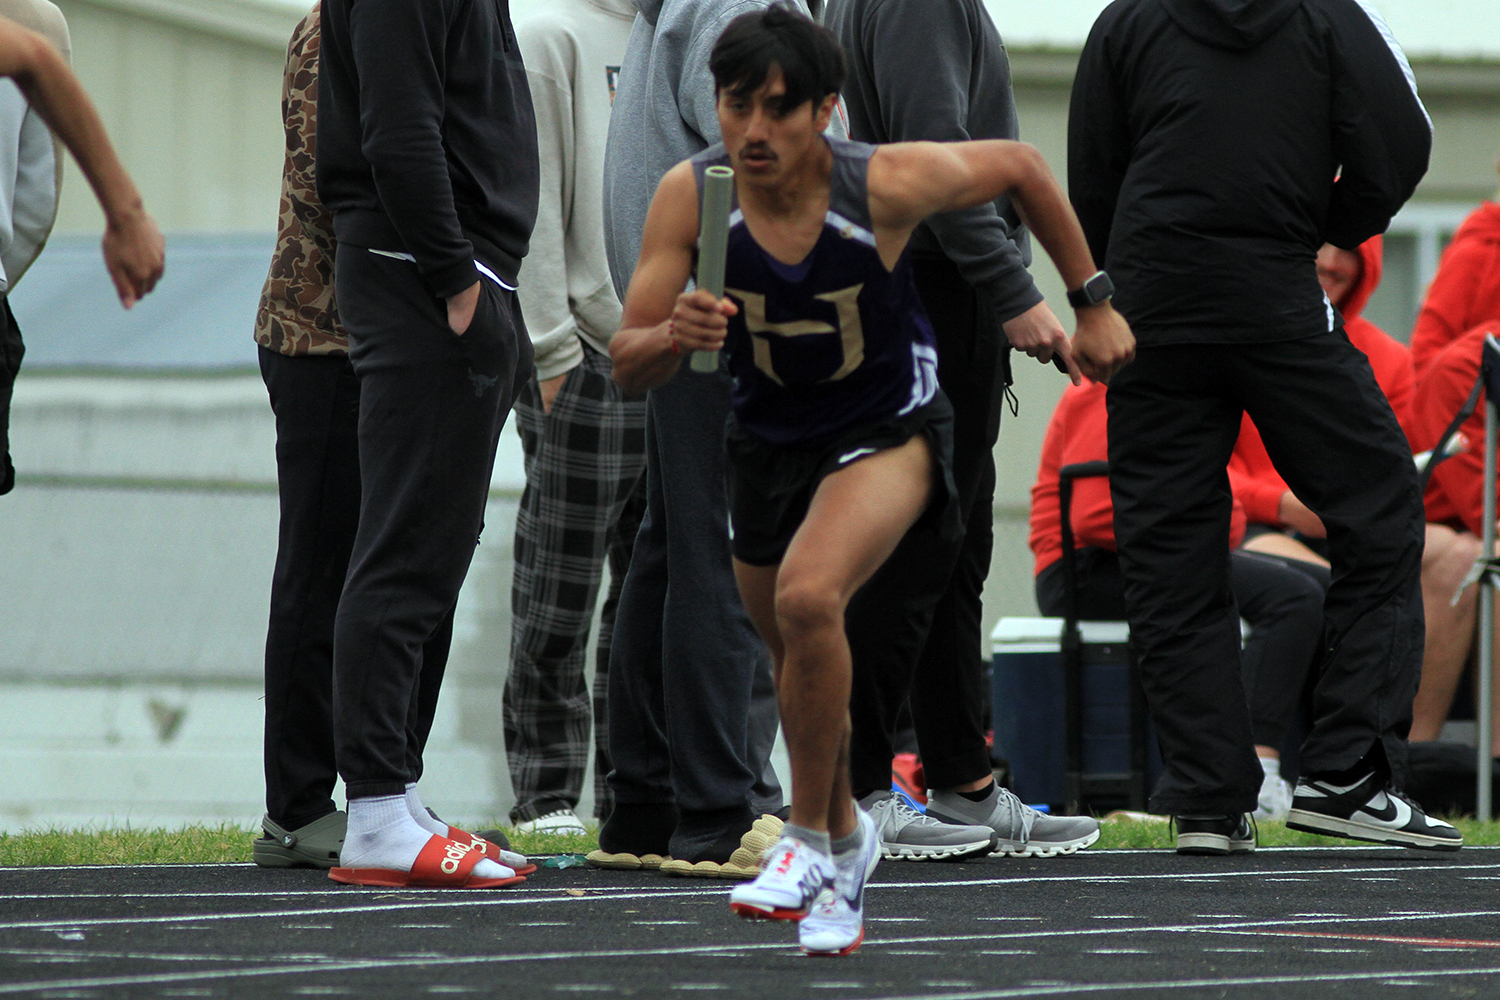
{"points": [[316, 402], [914, 628], [1282, 599], [431, 407], [692, 704], [1174, 416], [11, 352]]}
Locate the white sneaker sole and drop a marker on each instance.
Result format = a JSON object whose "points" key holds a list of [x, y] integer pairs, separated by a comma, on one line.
{"points": [[1333, 826], [1212, 844], [1010, 849], [946, 852]]}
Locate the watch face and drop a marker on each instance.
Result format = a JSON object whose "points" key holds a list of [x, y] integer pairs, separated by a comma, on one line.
{"points": [[1098, 288]]}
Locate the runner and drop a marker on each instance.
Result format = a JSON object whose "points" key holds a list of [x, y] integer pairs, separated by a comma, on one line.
{"points": [[840, 439]]}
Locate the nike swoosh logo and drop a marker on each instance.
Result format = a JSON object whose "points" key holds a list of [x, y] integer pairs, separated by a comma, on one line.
{"points": [[1388, 812], [850, 456]]}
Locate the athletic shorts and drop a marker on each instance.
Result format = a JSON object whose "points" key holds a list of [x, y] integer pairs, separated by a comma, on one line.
{"points": [[771, 486]]}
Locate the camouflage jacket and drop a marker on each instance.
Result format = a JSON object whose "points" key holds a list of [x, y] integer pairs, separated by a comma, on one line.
{"points": [[297, 313]]}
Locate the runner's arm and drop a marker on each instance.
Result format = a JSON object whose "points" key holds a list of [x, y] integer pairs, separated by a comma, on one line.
{"points": [[662, 323], [909, 181], [133, 246]]}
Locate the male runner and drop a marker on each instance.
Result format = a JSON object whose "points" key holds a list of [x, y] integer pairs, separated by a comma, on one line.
{"points": [[134, 253], [840, 439]]}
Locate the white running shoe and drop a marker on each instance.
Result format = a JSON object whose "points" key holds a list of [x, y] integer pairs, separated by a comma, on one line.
{"points": [[836, 925], [560, 821], [786, 888]]}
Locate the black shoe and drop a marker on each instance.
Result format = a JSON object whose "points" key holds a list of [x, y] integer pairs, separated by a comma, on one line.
{"points": [[1370, 810], [1215, 834]]}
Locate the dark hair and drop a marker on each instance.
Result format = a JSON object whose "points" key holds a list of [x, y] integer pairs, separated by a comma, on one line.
{"points": [[811, 60]]}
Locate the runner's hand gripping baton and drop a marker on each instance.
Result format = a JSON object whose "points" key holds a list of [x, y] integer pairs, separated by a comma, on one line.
{"points": [[713, 246]]}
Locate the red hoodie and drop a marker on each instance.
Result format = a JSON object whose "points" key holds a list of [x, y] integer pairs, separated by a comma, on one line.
{"points": [[1079, 432], [1255, 480], [1466, 290], [1455, 495]]}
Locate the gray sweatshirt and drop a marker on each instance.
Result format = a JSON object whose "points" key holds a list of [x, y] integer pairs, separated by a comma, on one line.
{"points": [[573, 50], [937, 70], [663, 113]]}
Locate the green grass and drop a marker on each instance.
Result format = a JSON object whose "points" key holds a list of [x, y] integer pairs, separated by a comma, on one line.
{"points": [[1125, 833], [229, 843], [226, 842]]}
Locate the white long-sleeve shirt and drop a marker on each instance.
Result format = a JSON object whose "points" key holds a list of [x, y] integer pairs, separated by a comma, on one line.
{"points": [[573, 50]]}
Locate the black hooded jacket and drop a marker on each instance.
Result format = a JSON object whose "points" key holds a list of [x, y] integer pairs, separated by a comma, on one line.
{"points": [[1204, 140]]}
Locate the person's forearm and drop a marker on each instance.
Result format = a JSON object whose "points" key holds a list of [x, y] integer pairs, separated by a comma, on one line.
{"points": [[1046, 212], [51, 87], [644, 358]]}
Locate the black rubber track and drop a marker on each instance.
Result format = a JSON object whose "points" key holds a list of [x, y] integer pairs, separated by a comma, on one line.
{"points": [[1286, 924]]}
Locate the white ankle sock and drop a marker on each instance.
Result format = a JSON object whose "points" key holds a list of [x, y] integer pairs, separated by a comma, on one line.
{"points": [[421, 815], [383, 834]]}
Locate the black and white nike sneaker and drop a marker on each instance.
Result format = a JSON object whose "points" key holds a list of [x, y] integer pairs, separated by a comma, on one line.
{"points": [[1370, 810]]}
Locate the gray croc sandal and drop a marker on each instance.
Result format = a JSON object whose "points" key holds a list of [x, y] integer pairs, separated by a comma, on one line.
{"points": [[315, 845]]}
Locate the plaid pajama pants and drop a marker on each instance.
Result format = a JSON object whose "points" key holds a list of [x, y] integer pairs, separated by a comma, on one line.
{"points": [[584, 463]]}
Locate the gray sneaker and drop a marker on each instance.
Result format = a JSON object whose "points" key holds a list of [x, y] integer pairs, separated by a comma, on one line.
{"points": [[1022, 831], [906, 834]]}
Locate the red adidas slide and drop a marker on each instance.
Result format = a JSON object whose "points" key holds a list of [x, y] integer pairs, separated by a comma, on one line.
{"points": [[491, 850], [442, 864]]}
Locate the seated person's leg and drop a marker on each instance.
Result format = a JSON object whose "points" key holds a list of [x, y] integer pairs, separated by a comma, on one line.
{"points": [[1101, 588], [1276, 543], [1446, 558], [1285, 610]]}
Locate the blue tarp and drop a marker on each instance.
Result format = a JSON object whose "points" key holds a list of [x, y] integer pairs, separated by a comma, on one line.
{"points": [[199, 318]]}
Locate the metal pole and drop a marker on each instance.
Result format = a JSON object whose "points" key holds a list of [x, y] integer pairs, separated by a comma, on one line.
{"points": [[1483, 791]]}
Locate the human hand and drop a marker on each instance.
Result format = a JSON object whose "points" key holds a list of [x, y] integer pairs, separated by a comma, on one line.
{"points": [[1103, 343], [699, 321], [134, 254], [1038, 333], [461, 309], [549, 388]]}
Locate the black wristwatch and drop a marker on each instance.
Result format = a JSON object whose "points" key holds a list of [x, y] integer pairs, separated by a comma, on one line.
{"points": [[1094, 291]]}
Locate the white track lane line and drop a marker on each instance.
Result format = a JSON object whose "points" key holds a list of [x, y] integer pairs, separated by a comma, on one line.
{"points": [[355, 965], [1072, 989], [443, 898], [690, 888], [312, 964]]}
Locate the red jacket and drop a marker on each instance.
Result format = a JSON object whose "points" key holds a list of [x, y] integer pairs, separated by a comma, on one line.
{"points": [[1466, 290], [1079, 432], [1455, 495], [1254, 479]]}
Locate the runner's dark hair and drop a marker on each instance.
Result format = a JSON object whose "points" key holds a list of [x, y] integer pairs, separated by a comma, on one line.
{"points": [[811, 60]]}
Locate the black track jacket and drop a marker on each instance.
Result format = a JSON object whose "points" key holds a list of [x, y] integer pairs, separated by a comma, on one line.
{"points": [[1204, 140], [426, 136]]}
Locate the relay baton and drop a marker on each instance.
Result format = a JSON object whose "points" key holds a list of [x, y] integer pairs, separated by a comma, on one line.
{"points": [[713, 246]]}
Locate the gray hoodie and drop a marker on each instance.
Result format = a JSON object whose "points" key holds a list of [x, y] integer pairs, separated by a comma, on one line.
{"points": [[663, 112]]}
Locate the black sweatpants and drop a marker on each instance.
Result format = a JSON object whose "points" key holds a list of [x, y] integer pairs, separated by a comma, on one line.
{"points": [[914, 629], [316, 402], [1174, 415], [431, 407], [1282, 599], [11, 352]]}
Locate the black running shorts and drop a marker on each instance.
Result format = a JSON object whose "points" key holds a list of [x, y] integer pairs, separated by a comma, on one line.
{"points": [[771, 486]]}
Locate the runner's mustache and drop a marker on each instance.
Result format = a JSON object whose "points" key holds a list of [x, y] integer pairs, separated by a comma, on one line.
{"points": [[757, 149]]}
